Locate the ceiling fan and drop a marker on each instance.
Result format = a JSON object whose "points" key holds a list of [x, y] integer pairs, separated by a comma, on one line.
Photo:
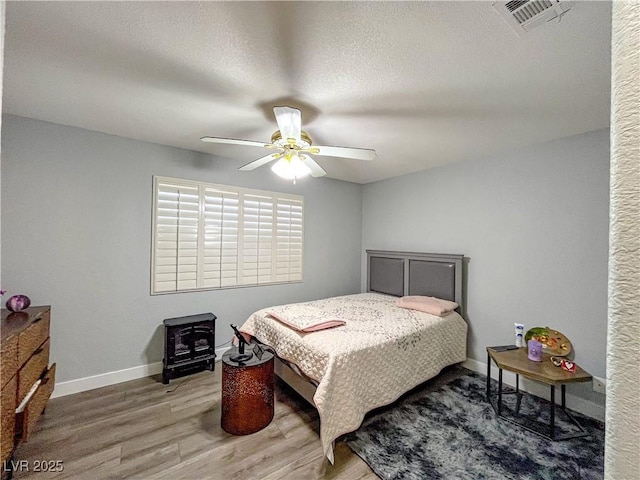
{"points": [[293, 148]]}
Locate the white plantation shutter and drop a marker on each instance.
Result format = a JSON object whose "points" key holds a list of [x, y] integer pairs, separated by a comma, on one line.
{"points": [[220, 256], [257, 248], [176, 237], [215, 236], [288, 258]]}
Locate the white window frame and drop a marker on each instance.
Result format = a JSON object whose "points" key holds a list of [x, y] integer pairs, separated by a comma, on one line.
{"points": [[191, 268]]}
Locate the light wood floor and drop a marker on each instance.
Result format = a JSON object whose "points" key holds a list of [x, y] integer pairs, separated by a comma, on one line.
{"points": [[144, 429]]}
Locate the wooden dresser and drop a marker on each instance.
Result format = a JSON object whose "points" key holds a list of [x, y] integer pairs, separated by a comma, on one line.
{"points": [[24, 361]]}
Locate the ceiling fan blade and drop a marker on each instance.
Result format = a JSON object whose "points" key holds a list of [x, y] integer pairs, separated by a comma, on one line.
{"points": [[316, 170], [233, 141], [259, 162], [344, 152], [289, 122]]}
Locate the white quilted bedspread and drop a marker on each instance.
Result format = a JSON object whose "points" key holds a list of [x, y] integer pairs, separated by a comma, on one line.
{"points": [[381, 352]]}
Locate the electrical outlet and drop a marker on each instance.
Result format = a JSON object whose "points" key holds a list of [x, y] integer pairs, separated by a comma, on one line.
{"points": [[599, 385]]}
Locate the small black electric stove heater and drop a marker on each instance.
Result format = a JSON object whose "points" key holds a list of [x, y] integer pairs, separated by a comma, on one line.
{"points": [[189, 345]]}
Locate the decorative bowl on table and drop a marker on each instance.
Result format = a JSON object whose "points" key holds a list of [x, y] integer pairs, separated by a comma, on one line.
{"points": [[553, 342]]}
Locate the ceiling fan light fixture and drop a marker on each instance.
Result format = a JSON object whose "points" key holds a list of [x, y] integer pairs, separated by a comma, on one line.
{"points": [[290, 168]]}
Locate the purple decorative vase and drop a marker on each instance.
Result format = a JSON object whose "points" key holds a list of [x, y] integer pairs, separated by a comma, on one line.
{"points": [[18, 303]]}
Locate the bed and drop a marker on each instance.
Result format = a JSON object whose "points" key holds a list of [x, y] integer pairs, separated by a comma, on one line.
{"points": [[381, 351]]}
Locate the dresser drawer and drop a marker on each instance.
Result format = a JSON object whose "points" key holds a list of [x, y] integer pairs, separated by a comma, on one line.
{"points": [[8, 359], [27, 418], [33, 370], [32, 337], [8, 405]]}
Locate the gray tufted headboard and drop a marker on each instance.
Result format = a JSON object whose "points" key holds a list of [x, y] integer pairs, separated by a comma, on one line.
{"points": [[408, 273]]}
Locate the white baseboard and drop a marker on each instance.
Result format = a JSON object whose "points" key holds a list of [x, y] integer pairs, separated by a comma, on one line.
{"points": [[538, 389], [110, 378]]}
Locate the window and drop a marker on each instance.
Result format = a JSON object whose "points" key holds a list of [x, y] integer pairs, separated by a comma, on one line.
{"points": [[209, 236]]}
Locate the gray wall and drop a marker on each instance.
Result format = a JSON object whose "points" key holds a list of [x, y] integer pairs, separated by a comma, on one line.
{"points": [[76, 229], [76, 234], [534, 226]]}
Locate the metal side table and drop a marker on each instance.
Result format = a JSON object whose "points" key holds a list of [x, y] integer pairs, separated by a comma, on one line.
{"points": [[516, 361]]}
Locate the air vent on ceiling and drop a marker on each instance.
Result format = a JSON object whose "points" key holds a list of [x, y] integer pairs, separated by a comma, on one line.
{"points": [[525, 15]]}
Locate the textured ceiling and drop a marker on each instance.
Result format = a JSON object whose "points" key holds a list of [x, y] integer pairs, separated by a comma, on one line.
{"points": [[423, 83]]}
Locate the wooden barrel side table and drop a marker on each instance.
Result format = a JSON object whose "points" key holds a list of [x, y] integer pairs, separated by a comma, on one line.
{"points": [[247, 393]]}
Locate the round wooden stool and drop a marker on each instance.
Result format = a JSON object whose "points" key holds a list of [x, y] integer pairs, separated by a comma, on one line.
{"points": [[247, 393]]}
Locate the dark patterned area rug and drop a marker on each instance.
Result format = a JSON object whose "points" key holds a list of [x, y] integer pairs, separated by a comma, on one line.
{"points": [[453, 433]]}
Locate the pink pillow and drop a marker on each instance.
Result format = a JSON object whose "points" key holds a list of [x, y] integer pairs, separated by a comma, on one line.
{"points": [[432, 305]]}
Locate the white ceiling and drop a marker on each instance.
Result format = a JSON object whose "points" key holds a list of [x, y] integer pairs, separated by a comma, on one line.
{"points": [[423, 83]]}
